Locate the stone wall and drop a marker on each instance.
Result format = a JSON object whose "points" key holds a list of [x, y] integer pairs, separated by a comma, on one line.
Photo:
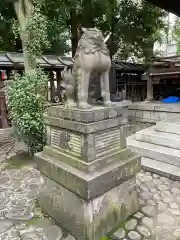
{"points": [[152, 112]]}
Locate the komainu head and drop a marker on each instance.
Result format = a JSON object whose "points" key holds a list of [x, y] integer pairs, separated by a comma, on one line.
{"points": [[93, 36]]}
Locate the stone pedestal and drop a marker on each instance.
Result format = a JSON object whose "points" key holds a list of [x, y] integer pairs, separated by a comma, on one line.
{"points": [[89, 172]]}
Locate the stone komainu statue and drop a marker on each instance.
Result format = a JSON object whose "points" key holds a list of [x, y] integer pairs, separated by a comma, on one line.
{"points": [[91, 56]]}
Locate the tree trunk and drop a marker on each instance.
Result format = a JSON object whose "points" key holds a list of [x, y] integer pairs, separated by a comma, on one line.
{"points": [[148, 51], [23, 9], [112, 44], [74, 31], [87, 14]]}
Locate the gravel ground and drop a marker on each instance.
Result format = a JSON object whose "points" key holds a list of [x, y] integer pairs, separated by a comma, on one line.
{"points": [[135, 126]]}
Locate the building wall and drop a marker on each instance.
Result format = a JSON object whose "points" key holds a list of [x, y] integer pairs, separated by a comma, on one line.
{"points": [[171, 50]]}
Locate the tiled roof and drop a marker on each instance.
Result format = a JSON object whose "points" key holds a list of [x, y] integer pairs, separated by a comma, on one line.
{"points": [[15, 60]]}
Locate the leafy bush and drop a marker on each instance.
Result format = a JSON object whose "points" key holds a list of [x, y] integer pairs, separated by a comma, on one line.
{"points": [[26, 100]]}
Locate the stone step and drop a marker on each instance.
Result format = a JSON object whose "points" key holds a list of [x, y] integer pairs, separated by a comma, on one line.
{"points": [[160, 168], [171, 125], [159, 153], [150, 135]]}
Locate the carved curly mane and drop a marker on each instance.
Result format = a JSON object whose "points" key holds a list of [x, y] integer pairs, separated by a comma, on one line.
{"points": [[92, 41]]}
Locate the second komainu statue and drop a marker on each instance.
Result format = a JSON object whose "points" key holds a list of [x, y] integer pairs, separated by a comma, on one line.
{"points": [[91, 56]]}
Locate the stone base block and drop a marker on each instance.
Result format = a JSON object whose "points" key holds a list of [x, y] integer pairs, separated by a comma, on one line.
{"points": [[89, 219], [92, 184]]}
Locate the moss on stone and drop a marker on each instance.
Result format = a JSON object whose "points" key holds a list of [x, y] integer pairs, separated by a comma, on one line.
{"points": [[19, 161]]}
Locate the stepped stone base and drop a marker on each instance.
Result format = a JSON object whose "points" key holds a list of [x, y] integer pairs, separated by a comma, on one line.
{"points": [[89, 173], [159, 147]]}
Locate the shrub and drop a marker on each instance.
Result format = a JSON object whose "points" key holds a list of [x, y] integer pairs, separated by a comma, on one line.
{"points": [[26, 100]]}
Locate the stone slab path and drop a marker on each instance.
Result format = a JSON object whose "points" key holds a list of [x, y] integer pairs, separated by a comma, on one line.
{"points": [[159, 216], [20, 215]]}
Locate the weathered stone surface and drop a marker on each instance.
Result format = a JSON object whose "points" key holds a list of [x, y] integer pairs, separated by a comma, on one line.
{"points": [[148, 223], [53, 232], [174, 212], [84, 166], [153, 190], [166, 194], [119, 234], [5, 225], [144, 231], [167, 200], [80, 127], [151, 202], [175, 191], [176, 233], [131, 224], [145, 195], [156, 197], [161, 206], [34, 234], [164, 219], [69, 237], [134, 235], [148, 210], [97, 113], [138, 215], [163, 187], [76, 214], [146, 178], [141, 202], [173, 205], [88, 186]]}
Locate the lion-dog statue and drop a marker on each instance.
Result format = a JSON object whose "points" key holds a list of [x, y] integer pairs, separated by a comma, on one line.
{"points": [[91, 56]]}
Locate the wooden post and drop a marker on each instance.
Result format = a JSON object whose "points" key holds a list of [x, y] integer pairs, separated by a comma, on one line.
{"points": [[58, 79], [52, 89], [149, 89], [112, 80], [3, 112]]}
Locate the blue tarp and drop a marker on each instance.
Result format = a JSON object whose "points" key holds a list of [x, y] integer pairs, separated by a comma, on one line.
{"points": [[170, 99]]}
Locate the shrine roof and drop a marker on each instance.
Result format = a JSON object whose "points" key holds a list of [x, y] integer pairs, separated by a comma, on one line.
{"points": [[128, 67], [14, 60]]}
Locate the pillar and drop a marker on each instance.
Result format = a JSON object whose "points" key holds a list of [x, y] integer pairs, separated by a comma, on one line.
{"points": [[149, 89]]}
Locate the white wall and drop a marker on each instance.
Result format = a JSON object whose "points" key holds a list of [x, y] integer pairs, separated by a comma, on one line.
{"points": [[171, 50]]}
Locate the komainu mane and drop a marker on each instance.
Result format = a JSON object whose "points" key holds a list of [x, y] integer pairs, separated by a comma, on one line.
{"points": [[91, 56]]}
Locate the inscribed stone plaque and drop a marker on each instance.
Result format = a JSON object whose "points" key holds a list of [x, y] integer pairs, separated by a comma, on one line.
{"points": [[107, 142], [69, 142]]}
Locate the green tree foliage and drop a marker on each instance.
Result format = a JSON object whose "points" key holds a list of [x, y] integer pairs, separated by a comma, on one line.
{"points": [[57, 33], [176, 35], [26, 102], [7, 39], [26, 93], [134, 25]]}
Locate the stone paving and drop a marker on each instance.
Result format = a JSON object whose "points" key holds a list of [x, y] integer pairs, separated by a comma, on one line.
{"points": [[159, 216], [20, 217]]}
